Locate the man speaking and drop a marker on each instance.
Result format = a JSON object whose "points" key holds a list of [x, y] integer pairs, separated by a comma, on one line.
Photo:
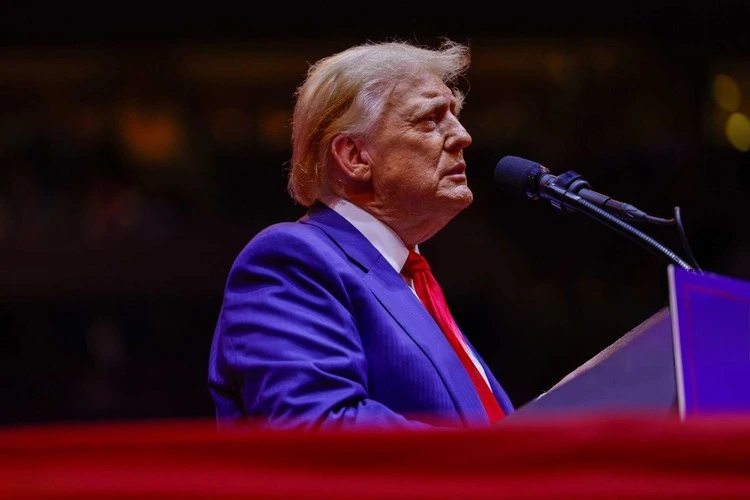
{"points": [[335, 321]]}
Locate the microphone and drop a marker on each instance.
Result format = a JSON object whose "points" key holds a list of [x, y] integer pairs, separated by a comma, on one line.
{"points": [[521, 176], [571, 192]]}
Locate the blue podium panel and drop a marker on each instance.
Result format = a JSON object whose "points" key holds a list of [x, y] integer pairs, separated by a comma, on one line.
{"points": [[636, 374], [711, 341]]}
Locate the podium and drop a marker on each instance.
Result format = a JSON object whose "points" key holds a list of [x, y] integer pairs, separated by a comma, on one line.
{"points": [[690, 358]]}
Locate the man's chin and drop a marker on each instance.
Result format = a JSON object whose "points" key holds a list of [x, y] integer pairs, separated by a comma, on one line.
{"points": [[462, 198], [451, 207]]}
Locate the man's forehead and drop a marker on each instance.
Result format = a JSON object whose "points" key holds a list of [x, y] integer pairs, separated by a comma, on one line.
{"points": [[426, 86]]}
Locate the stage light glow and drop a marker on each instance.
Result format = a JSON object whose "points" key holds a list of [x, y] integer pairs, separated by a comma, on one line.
{"points": [[727, 94], [737, 130]]}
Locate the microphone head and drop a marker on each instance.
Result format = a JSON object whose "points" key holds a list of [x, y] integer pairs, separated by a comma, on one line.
{"points": [[519, 176]]}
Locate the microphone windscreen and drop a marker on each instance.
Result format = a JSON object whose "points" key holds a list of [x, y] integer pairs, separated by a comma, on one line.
{"points": [[517, 175]]}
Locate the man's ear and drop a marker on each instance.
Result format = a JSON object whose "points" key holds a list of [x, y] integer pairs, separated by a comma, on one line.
{"points": [[353, 162]]}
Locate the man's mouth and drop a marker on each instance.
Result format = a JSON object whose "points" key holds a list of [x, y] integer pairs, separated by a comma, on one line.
{"points": [[459, 169]]}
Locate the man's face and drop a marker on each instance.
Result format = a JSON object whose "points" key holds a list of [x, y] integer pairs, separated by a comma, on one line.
{"points": [[418, 168]]}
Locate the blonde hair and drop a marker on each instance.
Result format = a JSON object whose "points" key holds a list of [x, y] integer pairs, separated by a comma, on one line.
{"points": [[346, 93]]}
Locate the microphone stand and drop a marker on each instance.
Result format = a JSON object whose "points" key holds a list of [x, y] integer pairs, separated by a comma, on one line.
{"points": [[574, 202]]}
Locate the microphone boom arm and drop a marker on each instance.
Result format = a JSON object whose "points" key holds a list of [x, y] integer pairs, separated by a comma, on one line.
{"points": [[576, 203]]}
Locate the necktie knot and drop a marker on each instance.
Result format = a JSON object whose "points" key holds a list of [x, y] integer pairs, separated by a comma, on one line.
{"points": [[414, 264]]}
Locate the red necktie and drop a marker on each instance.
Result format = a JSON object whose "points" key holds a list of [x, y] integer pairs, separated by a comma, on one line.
{"points": [[432, 297]]}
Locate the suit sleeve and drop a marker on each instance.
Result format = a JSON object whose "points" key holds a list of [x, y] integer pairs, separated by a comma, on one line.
{"points": [[288, 338]]}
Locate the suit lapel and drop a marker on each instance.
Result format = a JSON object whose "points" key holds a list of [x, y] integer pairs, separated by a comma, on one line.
{"points": [[401, 303]]}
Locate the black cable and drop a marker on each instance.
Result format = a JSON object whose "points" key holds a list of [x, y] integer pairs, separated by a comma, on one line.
{"points": [[659, 221], [684, 240]]}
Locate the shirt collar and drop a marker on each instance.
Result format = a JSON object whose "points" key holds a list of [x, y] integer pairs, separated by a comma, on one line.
{"points": [[382, 237]]}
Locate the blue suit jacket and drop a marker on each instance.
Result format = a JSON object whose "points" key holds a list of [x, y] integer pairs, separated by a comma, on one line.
{"points": [[317, 330]]}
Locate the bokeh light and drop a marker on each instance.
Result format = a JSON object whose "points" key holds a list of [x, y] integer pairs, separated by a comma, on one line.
{"points": [[726, 92], [738, 131]]}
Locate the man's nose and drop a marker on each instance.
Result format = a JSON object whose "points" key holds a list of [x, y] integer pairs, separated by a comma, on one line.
{"points": [[459, 137]]}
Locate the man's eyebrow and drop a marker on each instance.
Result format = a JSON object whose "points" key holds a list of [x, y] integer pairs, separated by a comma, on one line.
{"points": [[434, 101]]}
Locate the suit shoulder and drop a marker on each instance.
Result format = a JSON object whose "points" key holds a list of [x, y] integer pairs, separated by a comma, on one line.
{"points": [[287, 238]]}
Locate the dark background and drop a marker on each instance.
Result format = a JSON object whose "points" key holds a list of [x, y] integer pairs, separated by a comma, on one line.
{"points": [[141, 146]]}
